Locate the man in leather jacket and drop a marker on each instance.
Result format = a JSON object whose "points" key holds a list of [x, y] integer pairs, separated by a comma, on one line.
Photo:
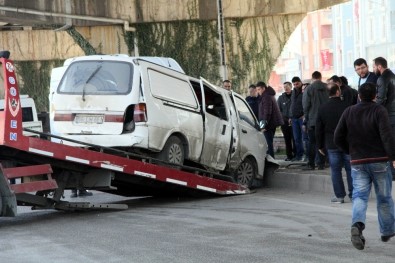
{"points": [[386, 91]]}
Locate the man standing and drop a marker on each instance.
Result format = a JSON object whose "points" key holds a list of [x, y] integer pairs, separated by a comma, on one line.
{"points": [[297, 117], [328, 116], [365, 133], [252, 99], [362, 69], [315, 95], [284, 104], [386, 91], [347, 93], [227, 85], [269, 114]]}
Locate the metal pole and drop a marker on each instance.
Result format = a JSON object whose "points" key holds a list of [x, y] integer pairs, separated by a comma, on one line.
{"points": [[221, 34]]}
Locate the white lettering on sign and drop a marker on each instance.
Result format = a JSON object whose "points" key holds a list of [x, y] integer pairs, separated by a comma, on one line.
{"points": [[14, 124], [11, 80], [13, 136], [9, 67]]}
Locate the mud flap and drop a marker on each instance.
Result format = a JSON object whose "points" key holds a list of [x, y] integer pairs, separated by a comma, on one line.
{"points": [[271, 165], [8, 206]]}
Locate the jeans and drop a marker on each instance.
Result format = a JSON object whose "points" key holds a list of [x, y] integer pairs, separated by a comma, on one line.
{"points": [[297, 132], [363, 175], [269, 136], [338, 159]]}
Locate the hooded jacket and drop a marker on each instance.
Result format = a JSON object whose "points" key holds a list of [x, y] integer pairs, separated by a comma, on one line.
{"points": [[269, 111], [314, 95]]}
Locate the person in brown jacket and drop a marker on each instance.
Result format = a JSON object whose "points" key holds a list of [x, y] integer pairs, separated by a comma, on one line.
{"points": [[269, 114]]}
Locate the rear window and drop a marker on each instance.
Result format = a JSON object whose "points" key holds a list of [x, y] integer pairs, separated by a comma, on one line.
{"points": [[97, 78]]}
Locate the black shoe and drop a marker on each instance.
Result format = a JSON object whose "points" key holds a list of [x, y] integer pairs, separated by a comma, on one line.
{"points": [[308, 167], [321, 167], [357, 239], [288, 159], [84, 193], [296, 159], [73, 193], [387, 238]]}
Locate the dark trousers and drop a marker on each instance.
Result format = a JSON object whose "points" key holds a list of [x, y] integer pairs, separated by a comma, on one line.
{"points": [[313, 151], [269, 136], [288, 139]]}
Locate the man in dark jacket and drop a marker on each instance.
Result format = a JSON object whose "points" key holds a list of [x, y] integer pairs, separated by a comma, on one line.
{"points": [[365, 133], [315, 95], [268, 114], [362, 69], [297, 117], [328, 116], [284, 104], [386, 91], [252, 99], [347, 93]]}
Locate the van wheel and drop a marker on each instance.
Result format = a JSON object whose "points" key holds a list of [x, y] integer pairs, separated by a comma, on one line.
{"points": [[173, 152], [246, 172]]}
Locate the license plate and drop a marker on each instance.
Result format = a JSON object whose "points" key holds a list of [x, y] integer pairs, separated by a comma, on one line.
{"points": [[89, 119]]}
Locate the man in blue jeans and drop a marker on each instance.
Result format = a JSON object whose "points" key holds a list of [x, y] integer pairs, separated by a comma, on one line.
{"points": [[328, 117], [365, 132]]}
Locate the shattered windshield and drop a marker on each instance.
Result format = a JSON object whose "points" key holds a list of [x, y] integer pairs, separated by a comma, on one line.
{"points": [[97, 78]]}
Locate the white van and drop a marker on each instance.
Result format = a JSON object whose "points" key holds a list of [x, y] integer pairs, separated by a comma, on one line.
{"points": [[148, 105]]}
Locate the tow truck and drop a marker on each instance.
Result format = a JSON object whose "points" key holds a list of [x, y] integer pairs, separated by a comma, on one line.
{"points": [[44, 169]]}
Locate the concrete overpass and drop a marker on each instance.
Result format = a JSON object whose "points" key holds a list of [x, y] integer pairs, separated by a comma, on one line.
{"points": [[124, 14], [40, 30]]}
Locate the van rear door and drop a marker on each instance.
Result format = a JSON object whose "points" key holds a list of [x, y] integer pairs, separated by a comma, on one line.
{"points": [[217, 127], [92, 96]]}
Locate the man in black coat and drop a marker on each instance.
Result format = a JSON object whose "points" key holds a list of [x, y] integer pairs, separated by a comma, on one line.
{"points": [[284, 104], [328, 116], [386, 91]]}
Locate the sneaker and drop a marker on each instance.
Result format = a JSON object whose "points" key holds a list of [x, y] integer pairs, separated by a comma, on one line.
{"points": [[387, 238], [84, 193], [288, 159], [73, 194], [357, 239], [337, 200], [321, 167]]}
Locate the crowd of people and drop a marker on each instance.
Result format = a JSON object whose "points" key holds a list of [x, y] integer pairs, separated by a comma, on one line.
{"points": [[351, 128]]}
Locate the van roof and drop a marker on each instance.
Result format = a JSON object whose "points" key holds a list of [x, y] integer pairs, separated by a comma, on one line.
{"points": [[163, 61]]}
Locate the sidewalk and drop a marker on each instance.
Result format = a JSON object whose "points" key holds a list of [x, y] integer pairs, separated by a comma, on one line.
{"points": [[291, 176]]}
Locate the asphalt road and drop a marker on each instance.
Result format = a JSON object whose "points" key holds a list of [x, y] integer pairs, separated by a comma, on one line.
{"points": [[267, 226]]}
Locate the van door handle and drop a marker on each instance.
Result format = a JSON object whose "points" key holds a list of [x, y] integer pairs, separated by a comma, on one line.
{"points": [[223, 129], [243, 131]]}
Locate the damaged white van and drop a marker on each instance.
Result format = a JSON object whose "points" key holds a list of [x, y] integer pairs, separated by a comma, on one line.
{"points": [[149, 106]]}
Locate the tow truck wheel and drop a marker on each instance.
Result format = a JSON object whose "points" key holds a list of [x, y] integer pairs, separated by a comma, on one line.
{"points": [[246, 172], [173, 152]]}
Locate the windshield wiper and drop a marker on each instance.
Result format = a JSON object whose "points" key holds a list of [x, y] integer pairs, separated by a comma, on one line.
{"points": [[89, 79]]}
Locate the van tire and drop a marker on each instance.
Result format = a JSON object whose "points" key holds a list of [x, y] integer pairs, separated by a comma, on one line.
{"points": [[173, 151], [246, 172]]}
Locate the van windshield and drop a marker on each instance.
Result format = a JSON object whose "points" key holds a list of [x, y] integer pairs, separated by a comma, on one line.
{"points": [[97, 78]]}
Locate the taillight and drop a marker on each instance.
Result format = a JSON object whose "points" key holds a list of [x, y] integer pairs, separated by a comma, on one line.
{"points": [[140, 112]]}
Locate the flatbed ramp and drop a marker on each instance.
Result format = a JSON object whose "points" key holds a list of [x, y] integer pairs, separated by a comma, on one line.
{"points": [[42, 169]]}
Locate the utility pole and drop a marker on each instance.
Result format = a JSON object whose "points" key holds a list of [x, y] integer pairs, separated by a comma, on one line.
{"points": [[221, 45]]}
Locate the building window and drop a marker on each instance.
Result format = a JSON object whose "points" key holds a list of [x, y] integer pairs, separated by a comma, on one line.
{"points": [[348, 28], [384, 28], [350, 60], [306, 63]]}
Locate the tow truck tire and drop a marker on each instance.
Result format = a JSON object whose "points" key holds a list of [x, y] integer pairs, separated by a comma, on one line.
{"points": [[246, 172], [173, 152]]}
